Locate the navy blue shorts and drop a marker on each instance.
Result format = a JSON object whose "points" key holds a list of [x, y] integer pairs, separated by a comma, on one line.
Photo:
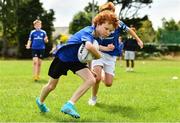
{"points": [[38, 53], [58, 67]]}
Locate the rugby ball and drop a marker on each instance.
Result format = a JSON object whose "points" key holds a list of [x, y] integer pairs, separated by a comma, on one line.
{"points": [[84, 55]]}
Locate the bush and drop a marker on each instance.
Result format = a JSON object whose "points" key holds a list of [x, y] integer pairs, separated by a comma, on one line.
{"points": [[156, 50]]}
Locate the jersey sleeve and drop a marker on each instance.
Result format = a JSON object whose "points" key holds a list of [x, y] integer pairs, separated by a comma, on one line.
{"points": [[45, 34], [87, 37], [123, 26], [31, 36]]}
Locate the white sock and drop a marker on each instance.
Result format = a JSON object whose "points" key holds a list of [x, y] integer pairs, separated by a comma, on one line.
{"points": [[40, 102], [94, 97], [71, 102]]}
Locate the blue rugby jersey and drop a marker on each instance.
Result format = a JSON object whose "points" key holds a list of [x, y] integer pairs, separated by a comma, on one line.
{"points": [[68, 52], [114, 39], [37, 39]]}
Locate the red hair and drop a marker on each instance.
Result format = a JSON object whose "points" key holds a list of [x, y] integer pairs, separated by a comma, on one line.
{"points": [[106, 16], [107, 6]]}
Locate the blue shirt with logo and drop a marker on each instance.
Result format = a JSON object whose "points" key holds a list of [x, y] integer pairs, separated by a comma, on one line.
{"points": [[113, 38], [121, 46], [69, 52], [37, 39]]}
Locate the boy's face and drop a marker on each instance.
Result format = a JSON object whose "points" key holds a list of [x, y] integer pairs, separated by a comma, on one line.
{"points": [[37, 25], [104, 30]]}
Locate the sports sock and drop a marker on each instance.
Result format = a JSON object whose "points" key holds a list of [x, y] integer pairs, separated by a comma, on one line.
{"points": [[94, 97], [71, 102]]}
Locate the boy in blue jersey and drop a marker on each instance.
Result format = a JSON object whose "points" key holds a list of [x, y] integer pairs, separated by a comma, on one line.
{"points": [[110, 50], [66, 59], [36, 42]]}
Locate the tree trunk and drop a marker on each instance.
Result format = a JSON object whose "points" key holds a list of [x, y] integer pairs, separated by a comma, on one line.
{"points": [[4, 48]]}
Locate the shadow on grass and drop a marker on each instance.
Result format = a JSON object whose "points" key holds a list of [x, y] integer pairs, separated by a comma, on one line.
{"points": [[125, 111], [41, 81], [61, 117]]}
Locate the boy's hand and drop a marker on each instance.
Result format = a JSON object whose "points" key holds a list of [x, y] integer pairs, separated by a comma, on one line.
{"points": [[46, 39], [110, 47], [27, 46], [94, 73]]}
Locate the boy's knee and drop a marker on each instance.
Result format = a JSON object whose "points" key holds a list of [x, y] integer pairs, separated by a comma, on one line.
{"points": [[108, 84], [92, 80], [39, 64], [34, 62], [98, 79]]}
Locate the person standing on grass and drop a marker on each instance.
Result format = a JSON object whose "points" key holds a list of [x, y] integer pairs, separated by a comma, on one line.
{"points": [[130, 46], [36, 42], [110, 50], [121, 46], [66, 59]]}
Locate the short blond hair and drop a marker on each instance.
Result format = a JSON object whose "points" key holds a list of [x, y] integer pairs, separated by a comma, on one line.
{"points": [[37, 21]]}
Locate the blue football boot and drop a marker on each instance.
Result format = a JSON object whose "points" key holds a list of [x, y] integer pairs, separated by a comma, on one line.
{"points": [[42, 107], [69, 109]]}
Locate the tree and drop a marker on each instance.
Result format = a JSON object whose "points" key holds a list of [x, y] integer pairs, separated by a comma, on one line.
{"points": [[146, 32], [137, 22], [83, 18], [28, 12], [8, 22], [92, 8], [178, 25], [170, 32], [80, 20], [143, 27], [130, 8], [169, 25]]}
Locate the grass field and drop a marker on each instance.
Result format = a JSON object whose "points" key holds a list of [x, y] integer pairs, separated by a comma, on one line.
{"points": [[147, 95]]}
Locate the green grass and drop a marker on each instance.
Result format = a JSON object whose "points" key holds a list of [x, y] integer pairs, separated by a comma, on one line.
{"points": [[148, 94]]}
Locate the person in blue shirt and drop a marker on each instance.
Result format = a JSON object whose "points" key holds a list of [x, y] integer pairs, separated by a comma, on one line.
{"points": [[121, 46], [37, 40], [109, 47], [66, 58]]}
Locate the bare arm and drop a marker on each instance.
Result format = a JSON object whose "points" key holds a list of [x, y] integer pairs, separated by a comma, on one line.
{"points": [[46, 39], [109, 47], [139, 41], [92, 50], [28, 45]]}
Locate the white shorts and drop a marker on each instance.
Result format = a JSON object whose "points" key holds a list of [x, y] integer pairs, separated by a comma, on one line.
{"points": [[129, 55], [107, 62]]}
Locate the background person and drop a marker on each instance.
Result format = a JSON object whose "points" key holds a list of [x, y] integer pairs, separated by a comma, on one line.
{"points": [[60, 39], [130, 47], [121, 46], [37, 40]]}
